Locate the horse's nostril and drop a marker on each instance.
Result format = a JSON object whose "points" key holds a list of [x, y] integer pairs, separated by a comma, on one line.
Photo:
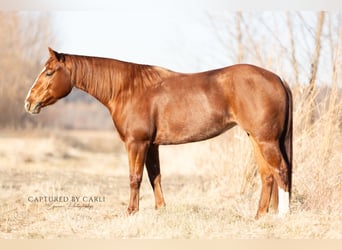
{"points": [[27, 106]]}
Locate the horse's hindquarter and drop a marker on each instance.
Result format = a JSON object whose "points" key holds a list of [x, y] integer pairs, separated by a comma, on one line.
{"points": [[257, 99], [190, 108], [200, 106]]}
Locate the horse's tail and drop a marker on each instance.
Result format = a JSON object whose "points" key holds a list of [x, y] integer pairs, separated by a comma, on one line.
{"points": [[286, 140], [285, 144]]}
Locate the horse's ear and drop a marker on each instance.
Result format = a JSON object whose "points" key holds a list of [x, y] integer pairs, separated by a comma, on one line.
{"points": [[54, 54]]}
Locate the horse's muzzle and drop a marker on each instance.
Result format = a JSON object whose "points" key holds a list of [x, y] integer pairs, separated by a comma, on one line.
{"points": [[33, 109]]}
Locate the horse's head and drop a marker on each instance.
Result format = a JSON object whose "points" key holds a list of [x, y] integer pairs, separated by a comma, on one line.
{"points": [[53, 83]]}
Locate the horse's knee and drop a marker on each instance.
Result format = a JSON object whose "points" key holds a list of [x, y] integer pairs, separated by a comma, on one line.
{"points": [[135, 181]]}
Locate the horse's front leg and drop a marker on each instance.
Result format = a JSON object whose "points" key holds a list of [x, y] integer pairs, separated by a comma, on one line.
{"points": [[136, 156]]}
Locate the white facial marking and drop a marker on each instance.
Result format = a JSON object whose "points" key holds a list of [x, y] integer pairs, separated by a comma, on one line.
{"points": [[284, 202], [35, 82]]}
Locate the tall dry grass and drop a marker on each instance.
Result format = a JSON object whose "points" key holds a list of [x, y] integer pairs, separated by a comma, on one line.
{"points": [[317, 145], [317, 149]]}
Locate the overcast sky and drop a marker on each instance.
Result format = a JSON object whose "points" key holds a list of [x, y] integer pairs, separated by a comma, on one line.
{"points": [[176, 34], [180, 40]]}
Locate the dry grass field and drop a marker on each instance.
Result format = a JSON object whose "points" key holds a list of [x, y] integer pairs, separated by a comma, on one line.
{"points": [[211, 188]]}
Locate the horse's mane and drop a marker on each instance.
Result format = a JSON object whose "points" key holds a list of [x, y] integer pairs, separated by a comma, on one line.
{"points": [[109, 78]]}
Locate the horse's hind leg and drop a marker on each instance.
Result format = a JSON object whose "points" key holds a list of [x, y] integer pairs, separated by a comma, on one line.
{"points": [[274, 177], [279, 168], [274, 197], [267, 181], [153, 170]]}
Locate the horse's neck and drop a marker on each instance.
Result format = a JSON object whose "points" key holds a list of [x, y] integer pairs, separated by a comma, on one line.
{"points": [[109, 79]]}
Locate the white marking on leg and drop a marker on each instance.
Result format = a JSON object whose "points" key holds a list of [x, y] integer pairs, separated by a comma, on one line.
{"points": [[284, 202]]}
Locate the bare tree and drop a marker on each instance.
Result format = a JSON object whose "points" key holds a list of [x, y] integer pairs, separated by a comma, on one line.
{"points": [[23, 38], [294, 61], [311, 98], [335, 43], [238, 20], [317, 51]]}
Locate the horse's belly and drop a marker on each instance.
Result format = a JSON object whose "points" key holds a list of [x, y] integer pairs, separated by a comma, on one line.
{"points": [[186, 129], [189, 114]]}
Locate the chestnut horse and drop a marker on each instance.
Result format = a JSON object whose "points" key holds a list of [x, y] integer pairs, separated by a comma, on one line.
{"points": [[152, 106]]}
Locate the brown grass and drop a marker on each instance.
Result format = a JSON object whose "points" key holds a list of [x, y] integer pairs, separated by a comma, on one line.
{"points": [[219, 201]]}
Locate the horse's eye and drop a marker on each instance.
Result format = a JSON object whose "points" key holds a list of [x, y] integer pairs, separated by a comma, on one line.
{"points": [[49, 73]]}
